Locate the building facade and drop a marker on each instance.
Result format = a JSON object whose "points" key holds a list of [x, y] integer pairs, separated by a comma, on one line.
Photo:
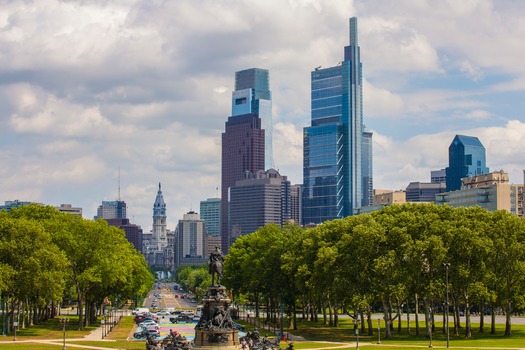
{"points": [[190, 241], [334, 144], [466, 158], [261, 198], [296, 204], [133, 232], [211, 214], [9, 205], [112, 210], [491, 191], [243, 141], [68, 208], [438, 176], [424, 191], [252, 95]]}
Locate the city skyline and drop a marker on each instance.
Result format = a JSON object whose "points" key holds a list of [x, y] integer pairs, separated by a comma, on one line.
{"points": [[86, 88]]}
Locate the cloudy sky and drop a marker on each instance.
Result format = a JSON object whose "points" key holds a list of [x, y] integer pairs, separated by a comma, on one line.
{"points": [[91, 86]]}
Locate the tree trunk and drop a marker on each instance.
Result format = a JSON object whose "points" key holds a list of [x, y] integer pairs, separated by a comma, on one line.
{"points": [[493, 320], [386, 316], [456, 319], [370, 322], [80, 309], [417, 316], [482, 317], [508, 324], [428, 320], [398, 318], [408, 316], [468, 327]]}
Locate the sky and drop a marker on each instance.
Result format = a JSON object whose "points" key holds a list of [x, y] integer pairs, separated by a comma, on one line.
{"points": [[90, 89]]}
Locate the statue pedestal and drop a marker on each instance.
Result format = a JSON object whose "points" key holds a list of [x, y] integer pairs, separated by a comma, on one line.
{"points": [[219, 339], [215, 329]]}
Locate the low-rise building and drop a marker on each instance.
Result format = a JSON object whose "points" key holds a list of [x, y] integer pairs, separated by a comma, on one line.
{"points": [[491, 191]]}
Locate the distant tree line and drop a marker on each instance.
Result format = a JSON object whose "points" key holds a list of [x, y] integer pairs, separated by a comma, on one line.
{"points": [[48, 257], [393, 260], [195, 279]]}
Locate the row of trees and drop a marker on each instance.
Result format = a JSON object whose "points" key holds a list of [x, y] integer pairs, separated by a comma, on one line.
{"points": [[194, 278], [392, 259], [47, 257]]}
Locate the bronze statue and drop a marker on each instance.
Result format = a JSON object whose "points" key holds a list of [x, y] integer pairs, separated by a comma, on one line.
{"points": [[216, 265]]}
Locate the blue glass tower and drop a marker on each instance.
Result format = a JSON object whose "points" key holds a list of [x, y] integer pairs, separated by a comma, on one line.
{"points": [[333, 145], [466, 158]]}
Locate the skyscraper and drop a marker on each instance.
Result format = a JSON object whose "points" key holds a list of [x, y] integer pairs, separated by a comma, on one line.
{"points": [[112, 210], [211, 214], [335, 145], [190, 241], [252, 95], [243, 141], [466, 158], [261, 198]]}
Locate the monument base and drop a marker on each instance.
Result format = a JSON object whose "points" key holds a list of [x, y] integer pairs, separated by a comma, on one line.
{"points": [[224, 339]]}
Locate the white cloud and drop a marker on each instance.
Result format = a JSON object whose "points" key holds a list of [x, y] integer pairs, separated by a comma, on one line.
{"points": [[87, 87]]}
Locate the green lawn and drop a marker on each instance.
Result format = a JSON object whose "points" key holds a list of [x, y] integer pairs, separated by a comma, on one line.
{"points": [[344, 333]]}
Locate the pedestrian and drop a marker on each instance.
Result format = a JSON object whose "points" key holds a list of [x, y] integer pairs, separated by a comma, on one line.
{"points": [[250, 343], [243, 344]]}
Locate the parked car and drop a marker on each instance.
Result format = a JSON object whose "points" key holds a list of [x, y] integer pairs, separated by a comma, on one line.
{"points": [[149, 323]]}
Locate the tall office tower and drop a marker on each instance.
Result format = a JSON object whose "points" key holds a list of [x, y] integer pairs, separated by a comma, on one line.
{"points": [[242, 149], [190, 241], [335, 145], [261, 198], [112, 210], [466, 158], [295, 204], [252, 95], [367, 170], [211, 214]]}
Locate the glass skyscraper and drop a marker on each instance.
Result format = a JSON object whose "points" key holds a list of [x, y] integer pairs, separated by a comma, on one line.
{"points": [[211, 214], [252, 95], [337, 152], [466, 158]]}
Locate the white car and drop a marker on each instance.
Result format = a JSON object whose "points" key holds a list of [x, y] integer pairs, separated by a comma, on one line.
{"points": [[147, 324]]}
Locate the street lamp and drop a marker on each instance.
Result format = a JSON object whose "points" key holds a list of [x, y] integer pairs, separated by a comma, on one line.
{"points": [[356, 331], [64, 321], [379, 331], [103, 326], [447, 267], [430, 330]]}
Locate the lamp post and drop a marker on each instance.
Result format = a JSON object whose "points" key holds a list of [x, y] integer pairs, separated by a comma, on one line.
{"points": [[356, 331], [379, 331], [447, 267], [430, 331], [64, 321], [103, 325]]}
